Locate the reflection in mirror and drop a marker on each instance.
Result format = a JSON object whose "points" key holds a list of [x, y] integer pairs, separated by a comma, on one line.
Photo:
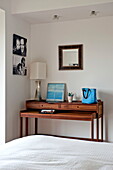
{"points": [[70, 57]]}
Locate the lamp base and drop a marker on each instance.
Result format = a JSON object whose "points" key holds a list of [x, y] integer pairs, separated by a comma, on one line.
{"points": [[38, 90]]}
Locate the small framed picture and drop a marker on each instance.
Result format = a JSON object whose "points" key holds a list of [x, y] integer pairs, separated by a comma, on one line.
{"points": [[19, 65], [55, 92], [19, 45]]}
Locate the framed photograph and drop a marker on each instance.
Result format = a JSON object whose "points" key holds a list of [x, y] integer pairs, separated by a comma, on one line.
{"points": [[55, 92], [19, 45], [19, 65]]}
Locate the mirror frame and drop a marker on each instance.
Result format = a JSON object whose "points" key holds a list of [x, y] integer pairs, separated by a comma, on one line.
{"points": [[80, 57]]}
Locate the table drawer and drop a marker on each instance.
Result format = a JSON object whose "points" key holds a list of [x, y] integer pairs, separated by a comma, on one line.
{"points": [[49, 106], [35, 105], [78, 107]]}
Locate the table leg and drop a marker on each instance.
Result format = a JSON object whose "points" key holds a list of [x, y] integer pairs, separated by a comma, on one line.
{"points": [[97, 128], [92, 128], [21, 126], [102, 128], [36, 126], [26, 126]]}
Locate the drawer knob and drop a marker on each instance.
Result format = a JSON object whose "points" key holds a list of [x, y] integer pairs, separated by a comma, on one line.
{"points": [[77, 106]]}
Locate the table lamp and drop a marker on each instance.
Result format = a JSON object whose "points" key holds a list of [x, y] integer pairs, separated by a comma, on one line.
{"points": [[37, 73]]}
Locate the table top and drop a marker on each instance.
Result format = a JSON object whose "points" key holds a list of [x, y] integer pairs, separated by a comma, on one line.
{"points": [[78, 115], [65, 102]]}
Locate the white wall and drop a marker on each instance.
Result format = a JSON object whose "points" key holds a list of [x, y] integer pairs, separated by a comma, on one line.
{"points": [[17, 87], [2, 76], [96, 35], [23, 6]]}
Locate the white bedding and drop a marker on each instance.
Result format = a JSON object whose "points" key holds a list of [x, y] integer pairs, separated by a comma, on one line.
{"points": [[51, 153]]}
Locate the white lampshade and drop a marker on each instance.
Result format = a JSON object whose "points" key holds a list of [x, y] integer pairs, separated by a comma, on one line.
{"points": [[38, 71]]}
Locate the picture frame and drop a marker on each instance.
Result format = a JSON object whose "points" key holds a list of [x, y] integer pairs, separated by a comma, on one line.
{"points": [[19, 65], [70, 57], [55, 92], [19, 45]]}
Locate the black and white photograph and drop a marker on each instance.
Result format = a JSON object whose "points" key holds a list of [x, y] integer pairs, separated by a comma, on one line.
{"points": [[19, 65], [19, 45]]}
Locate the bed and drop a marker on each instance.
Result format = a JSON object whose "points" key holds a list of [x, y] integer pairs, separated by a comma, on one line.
{"points": [[40, 152]]}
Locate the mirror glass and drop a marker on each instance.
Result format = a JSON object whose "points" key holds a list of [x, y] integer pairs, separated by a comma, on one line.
{"points": [[70, 57]]}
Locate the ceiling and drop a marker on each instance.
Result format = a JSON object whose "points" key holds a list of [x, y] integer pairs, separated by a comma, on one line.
{"points": [[67, 14]]}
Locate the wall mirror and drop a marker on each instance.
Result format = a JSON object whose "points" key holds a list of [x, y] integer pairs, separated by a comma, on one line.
{"points": [[71, 57]]}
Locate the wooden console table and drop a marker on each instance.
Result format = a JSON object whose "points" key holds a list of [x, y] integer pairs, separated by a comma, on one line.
{"points": [[64, 110]]}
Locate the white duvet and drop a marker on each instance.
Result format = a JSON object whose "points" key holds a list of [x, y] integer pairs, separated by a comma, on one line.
{"points": [[52, 153]]}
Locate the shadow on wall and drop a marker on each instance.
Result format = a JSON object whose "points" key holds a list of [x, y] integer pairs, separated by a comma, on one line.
{"points": [[107, 99]]}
